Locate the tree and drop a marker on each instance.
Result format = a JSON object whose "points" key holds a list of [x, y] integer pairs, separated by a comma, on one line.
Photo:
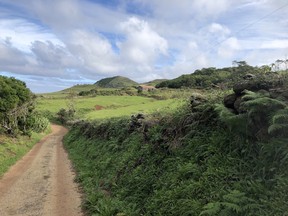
{"points": [[16, 106]]}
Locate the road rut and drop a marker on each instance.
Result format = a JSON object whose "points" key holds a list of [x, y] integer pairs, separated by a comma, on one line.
{"points": [[41, 183]]}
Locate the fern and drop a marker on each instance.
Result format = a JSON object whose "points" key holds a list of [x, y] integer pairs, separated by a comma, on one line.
{"points": [[249, 95], [211, 209], [235, 123], [279, 122], [258, 104], [234, 203]]}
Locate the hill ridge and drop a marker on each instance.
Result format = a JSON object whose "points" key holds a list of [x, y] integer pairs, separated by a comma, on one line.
{"points": [[115, 82]]}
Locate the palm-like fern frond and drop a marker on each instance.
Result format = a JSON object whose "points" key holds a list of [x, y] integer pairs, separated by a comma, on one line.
{"points": [[279, 122]]}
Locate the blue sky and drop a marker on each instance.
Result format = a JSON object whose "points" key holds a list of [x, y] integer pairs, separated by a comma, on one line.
{"points": [[52, 45]]}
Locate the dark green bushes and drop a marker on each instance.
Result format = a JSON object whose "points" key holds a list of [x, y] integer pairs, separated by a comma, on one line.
{"points": [[17, 108]]}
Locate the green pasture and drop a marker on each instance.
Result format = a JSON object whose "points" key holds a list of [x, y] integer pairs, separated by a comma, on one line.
{"points": [[143, 107], [107, 106]]}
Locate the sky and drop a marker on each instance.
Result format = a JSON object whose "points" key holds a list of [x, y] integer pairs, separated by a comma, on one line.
{"points": [[55, 44]]}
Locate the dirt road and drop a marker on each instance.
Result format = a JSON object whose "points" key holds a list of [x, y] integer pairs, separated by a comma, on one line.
{"points": [[41, 183]]}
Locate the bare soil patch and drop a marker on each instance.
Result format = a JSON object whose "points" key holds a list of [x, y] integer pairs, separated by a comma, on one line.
{"points": [[98, 107]]}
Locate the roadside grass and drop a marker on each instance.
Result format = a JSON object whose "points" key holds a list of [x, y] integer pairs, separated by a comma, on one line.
{"points": [[12, 149]]}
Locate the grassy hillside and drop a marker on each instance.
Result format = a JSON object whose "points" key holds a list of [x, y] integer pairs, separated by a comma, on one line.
{"points": [[79, 88], [115, 82], [154, 82], [203, 159]]}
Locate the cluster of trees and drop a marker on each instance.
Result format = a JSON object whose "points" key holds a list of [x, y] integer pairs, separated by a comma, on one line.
{"points": [[108, 92], [212, 77], [17, 105]]}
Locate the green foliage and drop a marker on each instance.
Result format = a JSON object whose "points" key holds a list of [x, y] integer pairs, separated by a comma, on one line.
{"points": [[234, 203], [222, 78], [13, 94], [261, 116], [17, 108], [38, 123], [154, 82], [109, 92], [279, 123], [65, 115]]}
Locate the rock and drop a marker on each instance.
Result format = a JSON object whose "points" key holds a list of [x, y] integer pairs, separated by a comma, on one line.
{"points": [[237, 105], [229, 100], [251, 85], [196, 100], [136, 122], [249, 76], [279, 92]]}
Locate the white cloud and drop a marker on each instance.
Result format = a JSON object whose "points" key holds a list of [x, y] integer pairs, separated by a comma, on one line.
{"points": [[275, 44], [22, 33], [142, 45], [217, 28], [94, 52], [229, 48]]}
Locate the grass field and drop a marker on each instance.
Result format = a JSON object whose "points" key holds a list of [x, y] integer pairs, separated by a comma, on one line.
{"points": [[107, 106], [143, 107]]}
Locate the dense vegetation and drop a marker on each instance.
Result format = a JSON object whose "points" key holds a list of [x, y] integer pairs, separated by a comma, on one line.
{"points": [[17, 108], [155, 82], [204, 159], [222, 78]]}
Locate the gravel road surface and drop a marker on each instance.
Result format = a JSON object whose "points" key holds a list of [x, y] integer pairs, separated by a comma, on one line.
{"points": [[41, 183]]}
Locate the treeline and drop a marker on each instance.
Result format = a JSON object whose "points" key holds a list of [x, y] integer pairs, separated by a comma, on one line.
{"points": [[222, 78], [205, 159], [108, 92], [17, 104]]}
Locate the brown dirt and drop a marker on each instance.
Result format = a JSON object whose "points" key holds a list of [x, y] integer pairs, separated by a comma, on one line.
{"points": [[98, 107], [41, 183]]}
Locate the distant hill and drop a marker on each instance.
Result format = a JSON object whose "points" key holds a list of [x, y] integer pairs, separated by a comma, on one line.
{"points": [[78, 88], [115, 82], [154, 82]]}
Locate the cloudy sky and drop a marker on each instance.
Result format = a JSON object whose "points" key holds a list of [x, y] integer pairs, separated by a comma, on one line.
{"points": [[54, 44]]}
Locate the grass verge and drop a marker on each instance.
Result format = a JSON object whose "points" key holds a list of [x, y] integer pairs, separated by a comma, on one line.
{"points": [[12, 149]]}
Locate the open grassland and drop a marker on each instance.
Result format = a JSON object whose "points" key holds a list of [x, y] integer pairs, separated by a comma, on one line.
{"points": [[107, 106], [89, 103], [143, 107], [12, 149]]}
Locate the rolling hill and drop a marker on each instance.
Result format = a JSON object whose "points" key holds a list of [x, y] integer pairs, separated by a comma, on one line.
{"points": [[115, 82]]}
